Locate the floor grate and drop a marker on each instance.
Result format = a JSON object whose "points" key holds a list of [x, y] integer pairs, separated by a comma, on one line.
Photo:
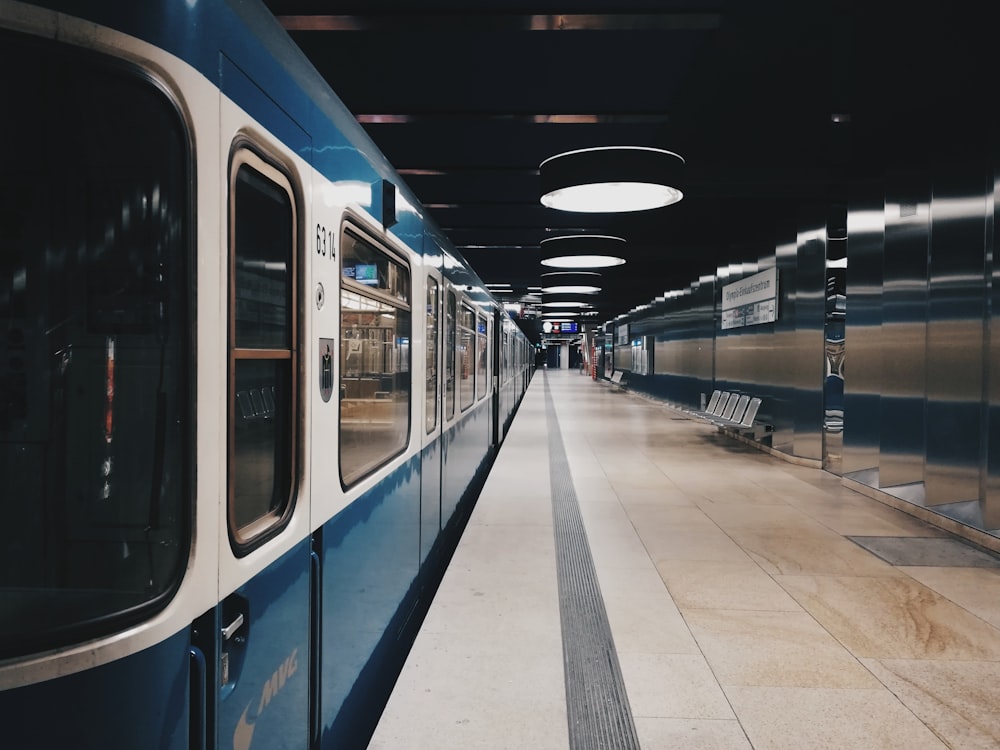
{"points": [[935, 552]]}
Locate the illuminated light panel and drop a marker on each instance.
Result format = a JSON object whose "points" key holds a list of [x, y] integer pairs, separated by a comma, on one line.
{"points": [[571, 282], [579, 251], [583, 261], [611, 179], [612, 197], [571, 289]]}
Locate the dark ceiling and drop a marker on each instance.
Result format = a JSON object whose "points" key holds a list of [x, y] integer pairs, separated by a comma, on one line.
{"points": [[467, 101]]}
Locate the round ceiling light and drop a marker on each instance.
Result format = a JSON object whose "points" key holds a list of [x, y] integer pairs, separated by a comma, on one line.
{"points": [[571, 282], [582, 251], [611, 179]]}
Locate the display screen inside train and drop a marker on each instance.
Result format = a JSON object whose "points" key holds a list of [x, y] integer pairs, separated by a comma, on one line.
{"points": [[364, 265], [363, 273]]}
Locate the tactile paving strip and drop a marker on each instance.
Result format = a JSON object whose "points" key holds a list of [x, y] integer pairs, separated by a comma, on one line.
{"points": [[597, 706]]}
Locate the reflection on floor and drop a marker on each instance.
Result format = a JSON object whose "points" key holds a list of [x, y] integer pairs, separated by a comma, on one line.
{"points": [[753, 603]]}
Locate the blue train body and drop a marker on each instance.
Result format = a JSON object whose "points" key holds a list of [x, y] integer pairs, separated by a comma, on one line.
{"points": [[250, 390]]}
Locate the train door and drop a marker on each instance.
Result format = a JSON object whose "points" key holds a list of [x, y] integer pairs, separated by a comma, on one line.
{"points": [[432, 449], [496, 326], [450, 410], [263, 635]]}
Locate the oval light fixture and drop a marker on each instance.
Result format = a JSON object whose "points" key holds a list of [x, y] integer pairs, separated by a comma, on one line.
{"points": [[571, 282], [564, 301], [567, 305], [582, 251], [611, 179]]}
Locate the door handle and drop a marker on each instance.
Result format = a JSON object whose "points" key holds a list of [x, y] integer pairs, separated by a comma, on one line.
{"points": [[230, 630]]}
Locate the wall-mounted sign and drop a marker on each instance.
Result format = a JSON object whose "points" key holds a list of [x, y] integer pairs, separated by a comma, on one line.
{"points": [[751, 301]]}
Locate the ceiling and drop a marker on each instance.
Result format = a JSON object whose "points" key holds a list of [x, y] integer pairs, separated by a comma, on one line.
{"points": [[772, 104]]}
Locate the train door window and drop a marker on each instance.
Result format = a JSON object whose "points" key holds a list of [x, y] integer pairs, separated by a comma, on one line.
{"points": [[431, 372], [466, 356], [95, 438], [262, 353], [482, 361], [491, 346], [451, 352], [374, 356]]}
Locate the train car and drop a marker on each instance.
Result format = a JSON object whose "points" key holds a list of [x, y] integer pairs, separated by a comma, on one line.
{"points": [[249, 390]]}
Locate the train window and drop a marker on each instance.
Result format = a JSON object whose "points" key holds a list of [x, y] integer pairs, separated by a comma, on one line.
{"points": [[94, 418], [466, 356], [374, 357], [450, 353], [482, 357], [262, 290], [431, 375]]}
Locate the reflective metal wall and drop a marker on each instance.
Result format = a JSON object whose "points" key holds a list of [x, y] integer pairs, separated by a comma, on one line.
{"points": [[904, 330], [923, 353], [955, 318], [783, 362], [684, 352], [920, 348], [991, 488], [863, 335], [807, 368]]}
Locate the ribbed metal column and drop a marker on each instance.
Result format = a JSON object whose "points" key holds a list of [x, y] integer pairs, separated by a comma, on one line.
{"points": [[596, 702]]}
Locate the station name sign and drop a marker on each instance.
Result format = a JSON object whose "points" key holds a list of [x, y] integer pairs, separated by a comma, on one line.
{"points": [[751, 301]]}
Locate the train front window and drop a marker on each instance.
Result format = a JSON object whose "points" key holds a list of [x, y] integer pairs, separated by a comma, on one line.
{"points": [[374, 357], [94, 403], [262, 439]]}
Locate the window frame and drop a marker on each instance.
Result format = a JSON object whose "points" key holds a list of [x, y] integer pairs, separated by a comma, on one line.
{"points": [[355, 228], [466, 309], [433, 335], [482, 356], [60, 627], [244, 539], [451, 352]]}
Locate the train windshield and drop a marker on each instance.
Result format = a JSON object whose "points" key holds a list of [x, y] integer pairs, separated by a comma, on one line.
{"points": [[93, 344]]}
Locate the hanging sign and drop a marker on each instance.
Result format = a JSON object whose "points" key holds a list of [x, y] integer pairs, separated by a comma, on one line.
{"points": [[751, 301]]}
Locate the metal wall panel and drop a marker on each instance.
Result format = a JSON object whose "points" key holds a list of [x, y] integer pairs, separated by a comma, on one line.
{"points": [[863, 335], [991, 483], [833, 339], [809, 343], [904, 331], [781, 370], [773, 360], [739, 352], [746, 358], [684, 353], [955, 320]]}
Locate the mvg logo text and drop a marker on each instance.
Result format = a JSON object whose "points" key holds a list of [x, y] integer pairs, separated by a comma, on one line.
{"points": [[243, 734]]}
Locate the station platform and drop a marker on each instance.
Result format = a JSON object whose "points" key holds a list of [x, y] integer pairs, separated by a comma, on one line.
{"points": [[632, 578]]}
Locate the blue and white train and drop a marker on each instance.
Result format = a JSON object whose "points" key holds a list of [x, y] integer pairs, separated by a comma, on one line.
{"points": [[247, 388]]}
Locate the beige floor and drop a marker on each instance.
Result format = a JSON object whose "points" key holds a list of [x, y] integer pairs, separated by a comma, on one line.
{"points": [[742, 614]]}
